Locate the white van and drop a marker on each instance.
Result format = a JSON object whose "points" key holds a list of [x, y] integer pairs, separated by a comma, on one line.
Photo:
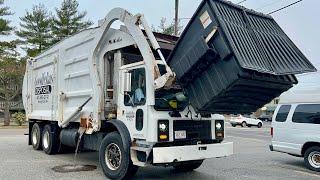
{"points": [[296, 124]]}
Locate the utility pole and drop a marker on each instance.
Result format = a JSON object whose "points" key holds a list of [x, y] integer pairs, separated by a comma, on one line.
{"points": [[176, 19]]}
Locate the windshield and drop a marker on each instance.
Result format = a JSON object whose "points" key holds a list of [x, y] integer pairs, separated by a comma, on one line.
{"points": [[170, 99]]}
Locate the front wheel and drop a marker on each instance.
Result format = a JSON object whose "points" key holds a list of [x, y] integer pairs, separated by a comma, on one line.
{"points": [[260, 125], [114, 159], [188, 166], [244, 124], [312, 158]]}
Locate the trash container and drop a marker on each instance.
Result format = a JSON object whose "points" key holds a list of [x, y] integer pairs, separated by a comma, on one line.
{"points": [[234, 60]]}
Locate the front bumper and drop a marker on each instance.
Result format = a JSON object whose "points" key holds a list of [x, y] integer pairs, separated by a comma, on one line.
{"points": [[194, 152]]}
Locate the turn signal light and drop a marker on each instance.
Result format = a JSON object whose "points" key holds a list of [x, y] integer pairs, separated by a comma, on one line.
{"points": [[219, 135], [219, 129], [163, 137]]}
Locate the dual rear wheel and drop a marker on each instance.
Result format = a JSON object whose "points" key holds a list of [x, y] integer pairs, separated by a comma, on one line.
{"points": [[36, 133], [45, 138]]}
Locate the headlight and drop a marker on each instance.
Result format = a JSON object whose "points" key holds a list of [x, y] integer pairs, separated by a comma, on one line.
{"points": [[219, 131], [162, 127], [218, 126]]}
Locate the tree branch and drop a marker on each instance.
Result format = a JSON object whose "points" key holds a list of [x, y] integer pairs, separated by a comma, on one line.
{"points": [[15, 94], [2, 97], [12, 105]]}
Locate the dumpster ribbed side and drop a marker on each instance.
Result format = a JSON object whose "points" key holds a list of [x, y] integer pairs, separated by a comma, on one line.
{"points": [[258, 41]]}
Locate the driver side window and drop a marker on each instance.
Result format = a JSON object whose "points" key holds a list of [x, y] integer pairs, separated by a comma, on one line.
{"points": [[137, 95]]}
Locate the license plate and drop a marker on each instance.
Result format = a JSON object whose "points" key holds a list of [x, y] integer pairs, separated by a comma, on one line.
{"points": [[180, 134]]}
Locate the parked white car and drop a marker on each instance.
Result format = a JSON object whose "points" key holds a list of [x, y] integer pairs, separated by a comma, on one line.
{"points": [[245, 120]]}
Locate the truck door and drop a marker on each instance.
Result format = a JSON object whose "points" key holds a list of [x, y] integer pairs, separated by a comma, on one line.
{"points": [[133, 109]]}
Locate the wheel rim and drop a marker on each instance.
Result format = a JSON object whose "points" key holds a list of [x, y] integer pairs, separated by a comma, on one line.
{"points": [[46, 140], [314, 159], [113, 156], [35, 134]]}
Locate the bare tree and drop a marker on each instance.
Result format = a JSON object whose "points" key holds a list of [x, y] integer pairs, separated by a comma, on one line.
{"points": [[166, 28], [11, 75]]}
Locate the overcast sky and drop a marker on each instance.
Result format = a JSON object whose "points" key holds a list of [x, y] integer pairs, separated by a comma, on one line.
{"points": [[301, 21]]}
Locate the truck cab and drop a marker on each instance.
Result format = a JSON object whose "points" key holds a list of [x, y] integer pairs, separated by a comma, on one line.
{"points": [[159, 120]]}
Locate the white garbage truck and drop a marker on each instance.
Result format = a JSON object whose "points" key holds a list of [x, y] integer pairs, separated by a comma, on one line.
{"points": [[115, 86], [108, 81]]}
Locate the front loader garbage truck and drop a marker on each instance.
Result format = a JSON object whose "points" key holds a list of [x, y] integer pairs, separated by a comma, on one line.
{"points": [[114, 89], [116, 85]]}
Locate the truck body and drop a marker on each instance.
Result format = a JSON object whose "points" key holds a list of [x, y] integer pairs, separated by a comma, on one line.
{"points": [[113, 90]]}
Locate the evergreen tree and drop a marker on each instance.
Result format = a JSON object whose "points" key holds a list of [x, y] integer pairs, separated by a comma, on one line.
{"points": [[69, 20], [11, 76], [5, 30], [5, 27], [36, 30]]}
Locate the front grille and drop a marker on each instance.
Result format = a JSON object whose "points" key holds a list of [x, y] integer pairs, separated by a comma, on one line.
{"points": [[195, 130]]}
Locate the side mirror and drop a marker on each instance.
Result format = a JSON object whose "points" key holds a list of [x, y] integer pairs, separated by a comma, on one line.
{"points": [[127, 82]]}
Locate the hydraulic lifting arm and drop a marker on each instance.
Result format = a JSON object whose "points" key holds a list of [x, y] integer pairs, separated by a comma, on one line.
{"points": [[132, 23]]}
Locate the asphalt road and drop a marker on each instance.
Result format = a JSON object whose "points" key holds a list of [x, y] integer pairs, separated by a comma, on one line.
{"points": [[252, 160]]}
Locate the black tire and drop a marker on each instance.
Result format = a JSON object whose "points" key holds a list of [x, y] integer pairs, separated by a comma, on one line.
{"points": [[36, 136], [233, 125], [259, 125], [188, 166], [123, 168], [244, 124], [50, 141], [309, 161]]}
